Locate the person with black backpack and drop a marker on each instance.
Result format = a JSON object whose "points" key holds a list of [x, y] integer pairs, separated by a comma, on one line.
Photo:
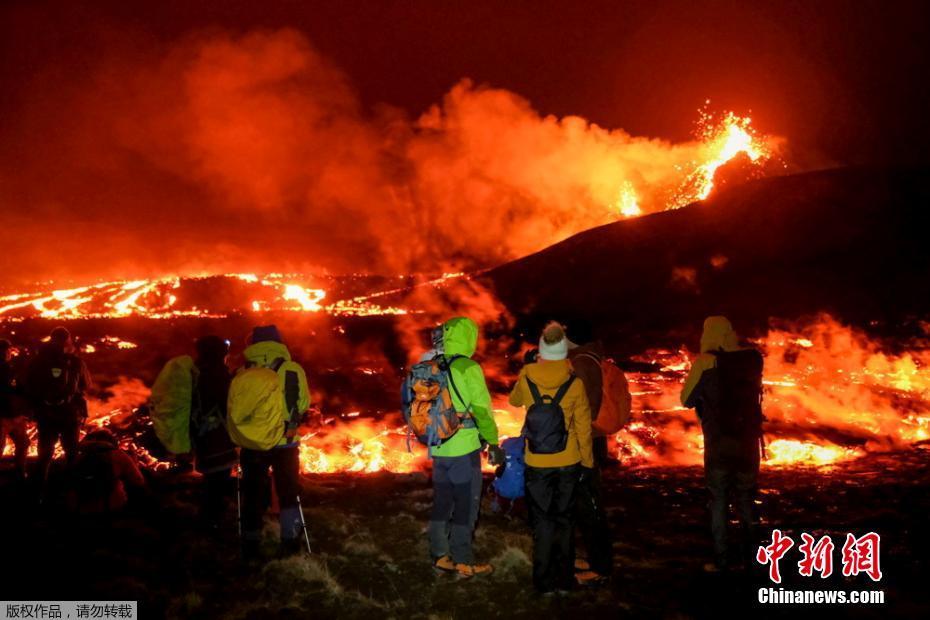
{"points": [[56, 382], [558, 453], [214, 453], [725, 386]]}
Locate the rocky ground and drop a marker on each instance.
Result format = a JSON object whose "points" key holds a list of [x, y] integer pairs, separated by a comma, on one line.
{"points": [[370, 558]]}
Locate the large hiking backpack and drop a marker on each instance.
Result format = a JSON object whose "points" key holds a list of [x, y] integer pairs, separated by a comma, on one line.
{"points": [[259, 413], [616, 401], [545, 420], [171, 399], [739, 392], [94, 479], [509, 483], [427, 402], [58, 380]]}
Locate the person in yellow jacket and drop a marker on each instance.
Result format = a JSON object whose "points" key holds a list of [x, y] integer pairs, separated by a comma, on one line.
{"points": [[457, 462], [268, 351], [725, 387], [558, 454]]}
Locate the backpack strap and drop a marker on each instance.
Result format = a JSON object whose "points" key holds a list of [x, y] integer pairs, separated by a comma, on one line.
{"points": [[446, 366], [534, 392], [563, 389], [291, 392]]}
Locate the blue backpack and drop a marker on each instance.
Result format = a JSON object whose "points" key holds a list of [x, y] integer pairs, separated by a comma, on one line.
{"points": [[509, 484]]}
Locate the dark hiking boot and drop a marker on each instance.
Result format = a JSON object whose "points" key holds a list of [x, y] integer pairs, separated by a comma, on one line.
{"points": [[251, 551], [290, 546]]}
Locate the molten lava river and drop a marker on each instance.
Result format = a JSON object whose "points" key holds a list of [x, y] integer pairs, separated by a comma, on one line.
{"points": [[833, 392]]}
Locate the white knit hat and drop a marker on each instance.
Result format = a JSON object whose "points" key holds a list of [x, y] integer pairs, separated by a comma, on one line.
{"points": [[553, 345]]}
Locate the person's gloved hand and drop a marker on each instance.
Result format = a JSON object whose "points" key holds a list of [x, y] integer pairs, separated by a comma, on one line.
{"points": [[496, 455]]}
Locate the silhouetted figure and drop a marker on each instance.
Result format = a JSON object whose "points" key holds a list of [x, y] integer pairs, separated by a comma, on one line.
{"points": [[214, 453], [725, 386], [12, 414], [56, 382], [558, 454], [103, 476], [585, 355]]}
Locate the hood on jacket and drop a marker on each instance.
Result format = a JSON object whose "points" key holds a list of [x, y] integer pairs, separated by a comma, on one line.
{"points": [[595, 348], [718, 334], [459, 337], [266, 352], [549, 374]]}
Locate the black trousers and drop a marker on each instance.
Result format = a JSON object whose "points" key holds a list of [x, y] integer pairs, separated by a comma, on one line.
{"points": [[217, 487], [591, 519], [284, 462], [550, 497], [731, 468], [56, 424]]}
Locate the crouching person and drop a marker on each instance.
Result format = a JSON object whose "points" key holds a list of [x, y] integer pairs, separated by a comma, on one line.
{"points": [[266, 401], [558, 453], [453, 378], [725, 386], [103, 476]]}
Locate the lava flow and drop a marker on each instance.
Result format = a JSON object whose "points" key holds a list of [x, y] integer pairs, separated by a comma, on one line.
{"points": [[832, 394]]}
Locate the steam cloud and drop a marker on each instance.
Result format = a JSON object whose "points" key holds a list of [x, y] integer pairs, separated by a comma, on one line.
{"points": [[253, 153]]}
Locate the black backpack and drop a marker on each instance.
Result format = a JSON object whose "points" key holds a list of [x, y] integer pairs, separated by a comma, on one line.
{"points": [[544, 427], [738, 408], [58, 380], [94, 478]]}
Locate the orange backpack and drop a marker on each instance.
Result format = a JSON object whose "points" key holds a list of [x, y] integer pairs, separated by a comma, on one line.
{"points": [[616, 401]]}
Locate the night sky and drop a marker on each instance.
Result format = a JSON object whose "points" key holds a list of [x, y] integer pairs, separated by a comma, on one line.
{"points": [[90, 138], [848, 80]]}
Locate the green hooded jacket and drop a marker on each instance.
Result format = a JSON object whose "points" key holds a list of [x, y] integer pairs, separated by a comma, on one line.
{"points": [[460, 337]]}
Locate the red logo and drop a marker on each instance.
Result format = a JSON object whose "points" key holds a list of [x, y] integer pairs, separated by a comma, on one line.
{"points": [[859, 555]]}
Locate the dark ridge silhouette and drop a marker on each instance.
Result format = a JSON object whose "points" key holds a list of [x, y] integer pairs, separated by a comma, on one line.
{"points": [[852, 242]]}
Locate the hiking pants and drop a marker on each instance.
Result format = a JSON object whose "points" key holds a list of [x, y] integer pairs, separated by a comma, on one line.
{"points": [[601, 450], [216, 488], [52, 426], [550, 497], [15, 429], [456, 500], [731, 467], [591, 519], [284, 462]]}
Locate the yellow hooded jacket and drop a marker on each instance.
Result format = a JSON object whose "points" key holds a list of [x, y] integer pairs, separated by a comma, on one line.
{"points": [[718, 335], [264, 354], [549, 375]]}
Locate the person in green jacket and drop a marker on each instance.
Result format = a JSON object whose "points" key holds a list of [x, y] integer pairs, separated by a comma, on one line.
{"points": [[457, 462]]}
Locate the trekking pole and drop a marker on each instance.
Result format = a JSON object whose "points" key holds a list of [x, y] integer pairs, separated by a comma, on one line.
{"points": [[303, 524], [239, 498]]}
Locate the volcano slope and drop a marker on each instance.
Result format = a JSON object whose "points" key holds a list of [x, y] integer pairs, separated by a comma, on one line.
{"points": [[850, 242]]}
